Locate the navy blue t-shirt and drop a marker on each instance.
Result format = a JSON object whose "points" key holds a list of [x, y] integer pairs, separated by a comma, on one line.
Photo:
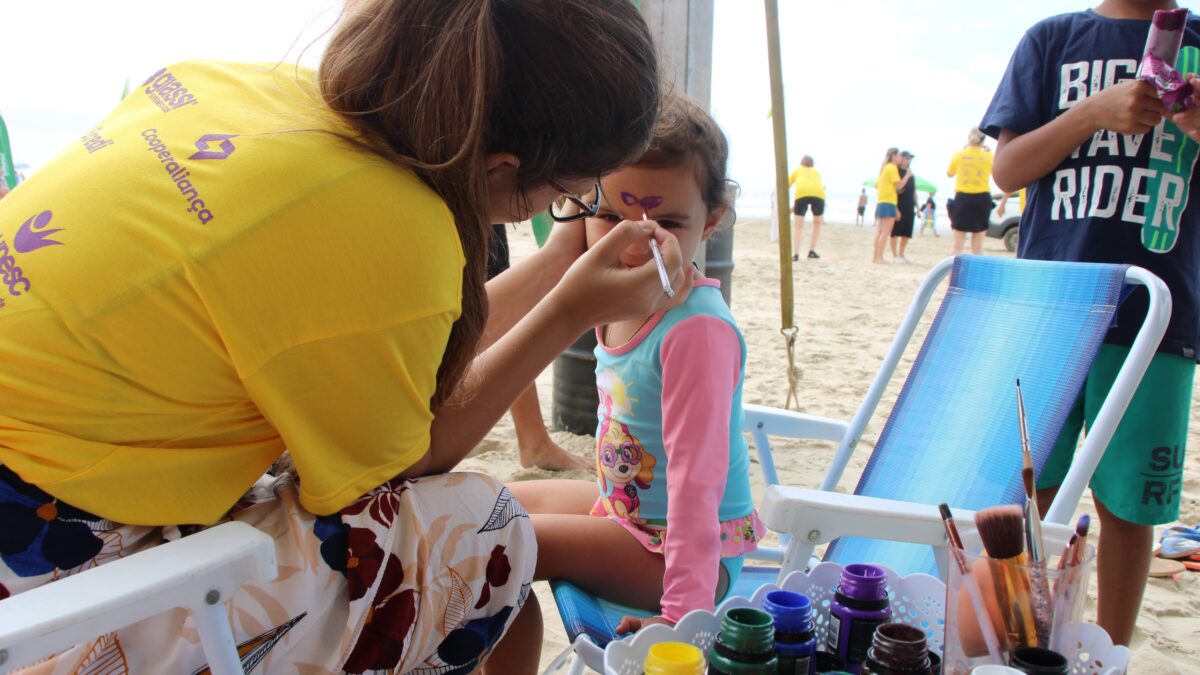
{"points": [[1117, 198]]}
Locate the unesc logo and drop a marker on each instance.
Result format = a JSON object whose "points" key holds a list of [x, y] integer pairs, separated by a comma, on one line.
{"points": [[31, 236]]}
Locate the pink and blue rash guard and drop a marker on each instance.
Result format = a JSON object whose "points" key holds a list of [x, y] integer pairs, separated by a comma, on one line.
{"points": [[670, 432]]}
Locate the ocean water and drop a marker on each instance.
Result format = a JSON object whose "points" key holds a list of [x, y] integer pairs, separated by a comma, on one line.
{"points": [[839, 207]]}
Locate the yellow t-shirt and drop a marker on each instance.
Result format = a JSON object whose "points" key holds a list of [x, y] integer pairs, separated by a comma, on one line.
{"points": [[885, 185], [808, 183], [973, 166], [207, 278]]}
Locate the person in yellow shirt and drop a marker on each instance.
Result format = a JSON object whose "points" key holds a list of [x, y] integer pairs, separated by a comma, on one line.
{"points": [[254, 265], [810, 192], [972, 169], [887, 188]]}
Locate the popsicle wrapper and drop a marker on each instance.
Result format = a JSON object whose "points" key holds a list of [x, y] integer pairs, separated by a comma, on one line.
{"points": [[1158, 59]]}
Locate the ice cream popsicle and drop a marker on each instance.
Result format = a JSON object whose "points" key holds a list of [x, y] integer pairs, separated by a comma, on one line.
{"points": [[1158, 59]]}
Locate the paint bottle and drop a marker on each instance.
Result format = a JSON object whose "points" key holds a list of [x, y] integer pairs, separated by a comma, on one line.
{"points": [[897, 649], [1038, 661], [795, 640], [673, 658], [827, 662], [745, 645], [859, 606]]}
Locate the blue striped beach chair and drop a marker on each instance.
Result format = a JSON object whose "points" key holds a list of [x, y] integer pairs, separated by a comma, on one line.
{"points": [[952, 435]]}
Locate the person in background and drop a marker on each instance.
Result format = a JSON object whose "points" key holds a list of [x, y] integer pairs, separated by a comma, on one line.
{"points": [[862, 208], [929, 217], [972, 169], [887, 187], [1002, 208], [1052, 128], [809, 193], [906, 206], [534, 445]]}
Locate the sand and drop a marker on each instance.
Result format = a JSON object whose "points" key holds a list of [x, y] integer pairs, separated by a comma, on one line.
{"points": [[847, 312]]}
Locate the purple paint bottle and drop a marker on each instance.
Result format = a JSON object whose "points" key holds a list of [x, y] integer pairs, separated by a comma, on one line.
{"points": [[858, 607]]}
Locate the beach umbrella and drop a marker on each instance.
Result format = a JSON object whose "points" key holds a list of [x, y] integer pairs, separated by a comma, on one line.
{"points": [[922, 184]]}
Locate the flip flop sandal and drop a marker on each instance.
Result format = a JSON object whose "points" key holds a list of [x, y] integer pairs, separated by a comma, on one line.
{"points": [[1174, 547], [1193, 566], [1161, 568], [1182, 531]]}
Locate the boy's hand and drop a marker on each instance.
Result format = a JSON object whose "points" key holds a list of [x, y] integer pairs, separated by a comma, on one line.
{"points": [[1129, 108], [1188, 121]]}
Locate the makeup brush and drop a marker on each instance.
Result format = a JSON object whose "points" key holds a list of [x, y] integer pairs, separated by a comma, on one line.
{"points": [[1034, 543], [1003, 533], [1067, 585], [977, 605], [1081, 535]]}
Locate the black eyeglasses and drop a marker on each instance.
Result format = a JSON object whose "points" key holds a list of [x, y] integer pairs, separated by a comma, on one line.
{"points": [[560, 212]]}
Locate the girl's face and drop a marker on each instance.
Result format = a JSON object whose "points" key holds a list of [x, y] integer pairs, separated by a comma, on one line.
{"points": [[668, 195]]}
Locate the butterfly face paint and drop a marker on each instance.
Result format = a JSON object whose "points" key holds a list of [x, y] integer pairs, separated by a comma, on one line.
{"points": [[647, 203]]}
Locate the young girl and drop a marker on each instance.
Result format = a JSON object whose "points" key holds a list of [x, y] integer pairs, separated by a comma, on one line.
{"points": [[887, 188], [929, 217], [674, 517]]}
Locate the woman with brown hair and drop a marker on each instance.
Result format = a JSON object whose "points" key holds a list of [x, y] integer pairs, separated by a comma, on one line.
{"points": [[887, 188], [188, 302]]}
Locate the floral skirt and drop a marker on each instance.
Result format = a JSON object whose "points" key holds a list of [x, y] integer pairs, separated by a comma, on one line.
{"points": [[419, 576]]}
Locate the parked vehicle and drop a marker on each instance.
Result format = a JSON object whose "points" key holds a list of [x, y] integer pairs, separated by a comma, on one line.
{"points": [[1005, 229]]}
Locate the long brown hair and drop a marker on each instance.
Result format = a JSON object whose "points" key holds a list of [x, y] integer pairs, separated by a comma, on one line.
{"points": [[568, 86], [887, 158]]}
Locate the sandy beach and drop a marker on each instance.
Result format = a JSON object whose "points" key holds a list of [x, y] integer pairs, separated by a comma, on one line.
{"points": [[847, 311]]}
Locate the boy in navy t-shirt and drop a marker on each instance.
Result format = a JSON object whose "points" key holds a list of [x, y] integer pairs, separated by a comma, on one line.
{"points": [[1111, 178]]}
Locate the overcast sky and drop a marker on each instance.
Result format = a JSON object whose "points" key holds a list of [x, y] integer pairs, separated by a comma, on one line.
{"points": [[910, 73]]}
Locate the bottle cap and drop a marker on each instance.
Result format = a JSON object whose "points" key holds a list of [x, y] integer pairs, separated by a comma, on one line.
{"points": [[792, 612], [674, 658], [747, 630]]}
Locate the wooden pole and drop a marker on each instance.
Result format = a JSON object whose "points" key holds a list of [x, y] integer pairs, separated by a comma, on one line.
{"points": [[787, 303], [774, 59]]}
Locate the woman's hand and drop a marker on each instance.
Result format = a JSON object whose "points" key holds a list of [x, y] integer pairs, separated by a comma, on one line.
{"points": [[599, 288], [567, 241], [632, 624]]}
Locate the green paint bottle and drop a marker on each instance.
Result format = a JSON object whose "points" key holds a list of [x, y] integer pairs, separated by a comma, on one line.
{"points": [[745, 645]]}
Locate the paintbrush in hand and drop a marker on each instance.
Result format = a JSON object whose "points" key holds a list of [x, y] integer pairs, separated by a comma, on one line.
{"points": [[1003, 533], [1034, 543]]}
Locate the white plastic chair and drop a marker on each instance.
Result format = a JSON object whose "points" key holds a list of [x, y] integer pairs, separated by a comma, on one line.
{"points": [[198, 573]]}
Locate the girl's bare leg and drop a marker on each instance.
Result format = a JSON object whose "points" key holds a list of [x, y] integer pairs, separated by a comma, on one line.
{"points": [[883, 232]]}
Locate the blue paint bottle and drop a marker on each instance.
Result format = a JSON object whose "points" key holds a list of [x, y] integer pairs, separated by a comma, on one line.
{"points": [[795, 641]]}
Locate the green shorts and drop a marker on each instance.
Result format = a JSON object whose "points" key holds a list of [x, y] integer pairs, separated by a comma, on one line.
{"points": [[1140, 478]]}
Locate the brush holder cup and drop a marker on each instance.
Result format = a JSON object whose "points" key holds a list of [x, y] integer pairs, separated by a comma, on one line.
{"points": [[1026, 606]]}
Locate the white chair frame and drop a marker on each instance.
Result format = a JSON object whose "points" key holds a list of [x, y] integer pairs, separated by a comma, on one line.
{"points": [[198, 573]]}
